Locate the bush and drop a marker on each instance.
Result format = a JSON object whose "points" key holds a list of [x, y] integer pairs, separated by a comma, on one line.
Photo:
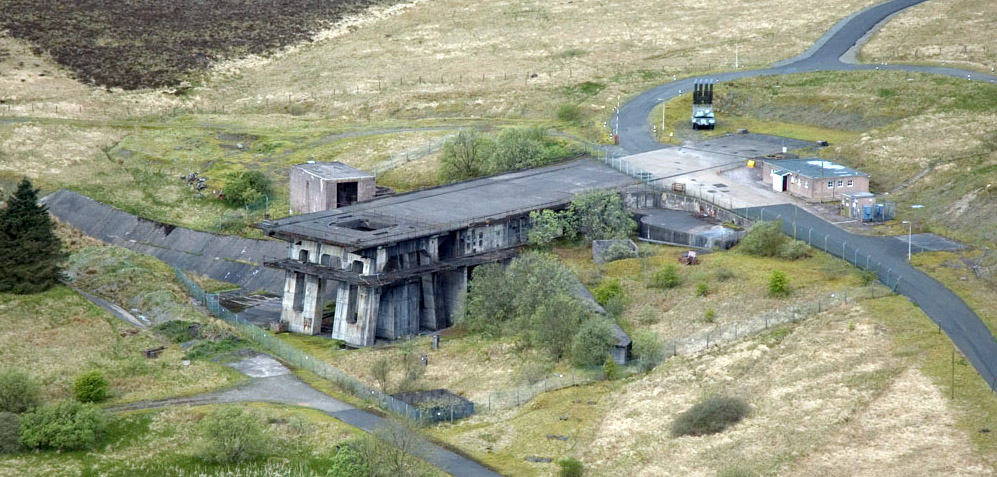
{"points": [[610, 368], [710, 315], [794, 250], [763, 240], [570, 467], [247, 188], [647, 346], [710, 416], [569, 113], [66, 425], [593, 342], [867, 277], [90, 386], [465, 156], [608, 289], [380, 370], [230, 435], [10, 432], [348, 461], [600, 215], [778, 284], [702, 289], [667, 277], [176, 331], [18, 392], [615, 306]]}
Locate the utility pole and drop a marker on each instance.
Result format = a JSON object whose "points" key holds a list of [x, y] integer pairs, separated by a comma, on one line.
{"points": [[735, 56], [910, 236]]}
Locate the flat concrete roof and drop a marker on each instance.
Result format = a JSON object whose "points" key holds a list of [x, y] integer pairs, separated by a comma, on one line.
{"points": [[451, 207], [333, 170], [814, 168]]}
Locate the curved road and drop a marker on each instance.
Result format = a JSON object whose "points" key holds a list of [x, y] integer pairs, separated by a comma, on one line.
{"points": [[825, 55], [887, 255]]}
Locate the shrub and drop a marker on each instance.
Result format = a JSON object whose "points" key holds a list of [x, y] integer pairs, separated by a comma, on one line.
{"points": [[66, 425], [569, 113], [18, 392], [615, 306], [610, 368], [176, 331], [247, 188], [10, 432], [608, 289], [465, 156], [600, 215], [702, 289], [710, 416], [763, 240], [867, 277], [710, 315], [667, 277], [570, 467], [546, 226], [793, 250], [90, 386], [778, 284], [647, 346], [230, 435], [348, 461], [593, 342]]}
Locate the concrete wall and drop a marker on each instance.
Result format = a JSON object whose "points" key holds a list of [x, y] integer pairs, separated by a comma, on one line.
{"points": [[227, 258]]}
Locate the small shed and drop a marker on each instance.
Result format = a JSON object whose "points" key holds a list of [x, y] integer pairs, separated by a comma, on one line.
{"points": [[623, 349], [858, 205], [318, 186], [813, 179]]}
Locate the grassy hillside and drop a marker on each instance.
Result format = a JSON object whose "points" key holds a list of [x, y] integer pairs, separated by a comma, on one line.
{"points": [[956, 33]]}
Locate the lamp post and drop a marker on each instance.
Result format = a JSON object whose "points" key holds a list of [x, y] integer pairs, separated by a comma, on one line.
{"points": [[910, 236], [663, 101]]}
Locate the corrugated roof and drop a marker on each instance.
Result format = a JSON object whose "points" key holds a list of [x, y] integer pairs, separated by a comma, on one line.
{"points": [[816, 168]]}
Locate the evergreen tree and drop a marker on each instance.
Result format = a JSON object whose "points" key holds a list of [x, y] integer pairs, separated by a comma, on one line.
{"points": [[30, 252]]}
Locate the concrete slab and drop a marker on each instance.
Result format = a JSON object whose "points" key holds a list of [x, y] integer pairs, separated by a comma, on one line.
{"points": [[930, 243], [260, 366]]}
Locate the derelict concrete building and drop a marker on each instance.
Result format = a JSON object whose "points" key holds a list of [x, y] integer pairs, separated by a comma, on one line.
{"points": [[318, 186], [399, 265]]}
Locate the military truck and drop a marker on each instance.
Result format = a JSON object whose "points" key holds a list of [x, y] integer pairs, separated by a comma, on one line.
{"points": [[702, 106]]}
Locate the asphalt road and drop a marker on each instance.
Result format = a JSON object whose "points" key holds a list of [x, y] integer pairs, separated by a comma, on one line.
{"points": [[886, 256], [635, 132]]}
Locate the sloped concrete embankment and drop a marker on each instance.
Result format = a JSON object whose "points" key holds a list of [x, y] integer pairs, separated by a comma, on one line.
{"points": [[228, 258]]}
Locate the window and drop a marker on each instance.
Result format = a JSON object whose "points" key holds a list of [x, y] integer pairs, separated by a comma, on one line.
{"points": [[839, 182], [806, 184], [830, 184], [850, 182]]}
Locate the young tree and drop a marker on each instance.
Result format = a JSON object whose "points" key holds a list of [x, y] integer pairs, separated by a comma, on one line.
{"points": [[465, 156], [30, 252], [763, 240], [520, 148], [380, 370], [600, 215], [489, 300], [778, 284]]}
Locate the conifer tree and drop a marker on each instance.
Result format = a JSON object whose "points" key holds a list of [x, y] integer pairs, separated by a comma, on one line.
{"points": [[30, 252]]}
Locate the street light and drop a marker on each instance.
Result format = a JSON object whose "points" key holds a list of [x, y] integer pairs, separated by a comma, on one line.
{"points": [[910, 236], [663, 101]]}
